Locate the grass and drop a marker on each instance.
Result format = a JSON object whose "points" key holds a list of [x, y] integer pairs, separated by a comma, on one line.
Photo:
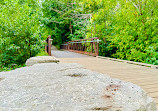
{"points": [[14, 66], [11, 67], [42, 53]]}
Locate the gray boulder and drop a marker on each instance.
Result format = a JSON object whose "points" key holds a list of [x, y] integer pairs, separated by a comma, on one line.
{"points": [[41, 59], [68, 87]]}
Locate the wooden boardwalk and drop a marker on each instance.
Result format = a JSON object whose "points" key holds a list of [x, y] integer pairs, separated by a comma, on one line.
{"points": [[145, 77]]}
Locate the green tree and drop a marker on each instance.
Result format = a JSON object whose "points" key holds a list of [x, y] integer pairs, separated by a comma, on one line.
{"points": [[65, 19], [20, 36], [128, 29]]}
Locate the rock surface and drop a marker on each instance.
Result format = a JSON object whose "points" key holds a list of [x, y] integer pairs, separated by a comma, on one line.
{"points": [[41, 59], [68, 87]]}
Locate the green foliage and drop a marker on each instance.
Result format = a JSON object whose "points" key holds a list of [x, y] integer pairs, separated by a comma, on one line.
{"points": [[64, 19], [20, 32], [11, 67], [128, 29], [42, 53]]}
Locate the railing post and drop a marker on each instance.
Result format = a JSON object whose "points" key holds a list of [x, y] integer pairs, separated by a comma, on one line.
{"points": [[95, 49], [48, 46], [92, 45], [98, 47], [85, 48], [80, 46]]}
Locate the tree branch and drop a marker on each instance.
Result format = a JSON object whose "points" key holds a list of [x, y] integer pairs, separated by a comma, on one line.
{"points": [[57, 11], [56, 22]]}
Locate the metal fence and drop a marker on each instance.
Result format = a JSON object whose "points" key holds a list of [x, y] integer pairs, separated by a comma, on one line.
{"points": [[84, 46]]}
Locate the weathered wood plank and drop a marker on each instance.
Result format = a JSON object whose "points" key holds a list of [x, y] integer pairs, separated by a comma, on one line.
{"points": [[154, 94], [152, 90], [156, 100], [145, 77], [150, 86], [146, 83]]}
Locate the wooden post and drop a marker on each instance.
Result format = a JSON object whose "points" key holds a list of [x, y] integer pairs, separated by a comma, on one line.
{"points": [[49, 45], [92, 45], [97, 47]]}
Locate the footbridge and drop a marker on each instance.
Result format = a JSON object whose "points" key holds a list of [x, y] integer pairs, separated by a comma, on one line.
{"points": [[144, 75]]}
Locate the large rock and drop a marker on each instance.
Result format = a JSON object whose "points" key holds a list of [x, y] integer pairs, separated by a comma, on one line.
{"points": [[68, 87], [41, 59]]}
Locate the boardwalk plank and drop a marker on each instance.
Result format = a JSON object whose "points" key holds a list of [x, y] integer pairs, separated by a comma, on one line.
{"points": [[156, 100], [152, 90], [153, 94], [145, 77], [147, 83], [150, 86]]}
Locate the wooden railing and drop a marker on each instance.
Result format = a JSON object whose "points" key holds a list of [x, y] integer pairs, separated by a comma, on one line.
{"points": [[48, 46], [84, 46]]}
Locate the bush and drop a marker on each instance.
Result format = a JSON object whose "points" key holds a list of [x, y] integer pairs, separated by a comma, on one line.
{"points": [[128, 29], [20, 32]]}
